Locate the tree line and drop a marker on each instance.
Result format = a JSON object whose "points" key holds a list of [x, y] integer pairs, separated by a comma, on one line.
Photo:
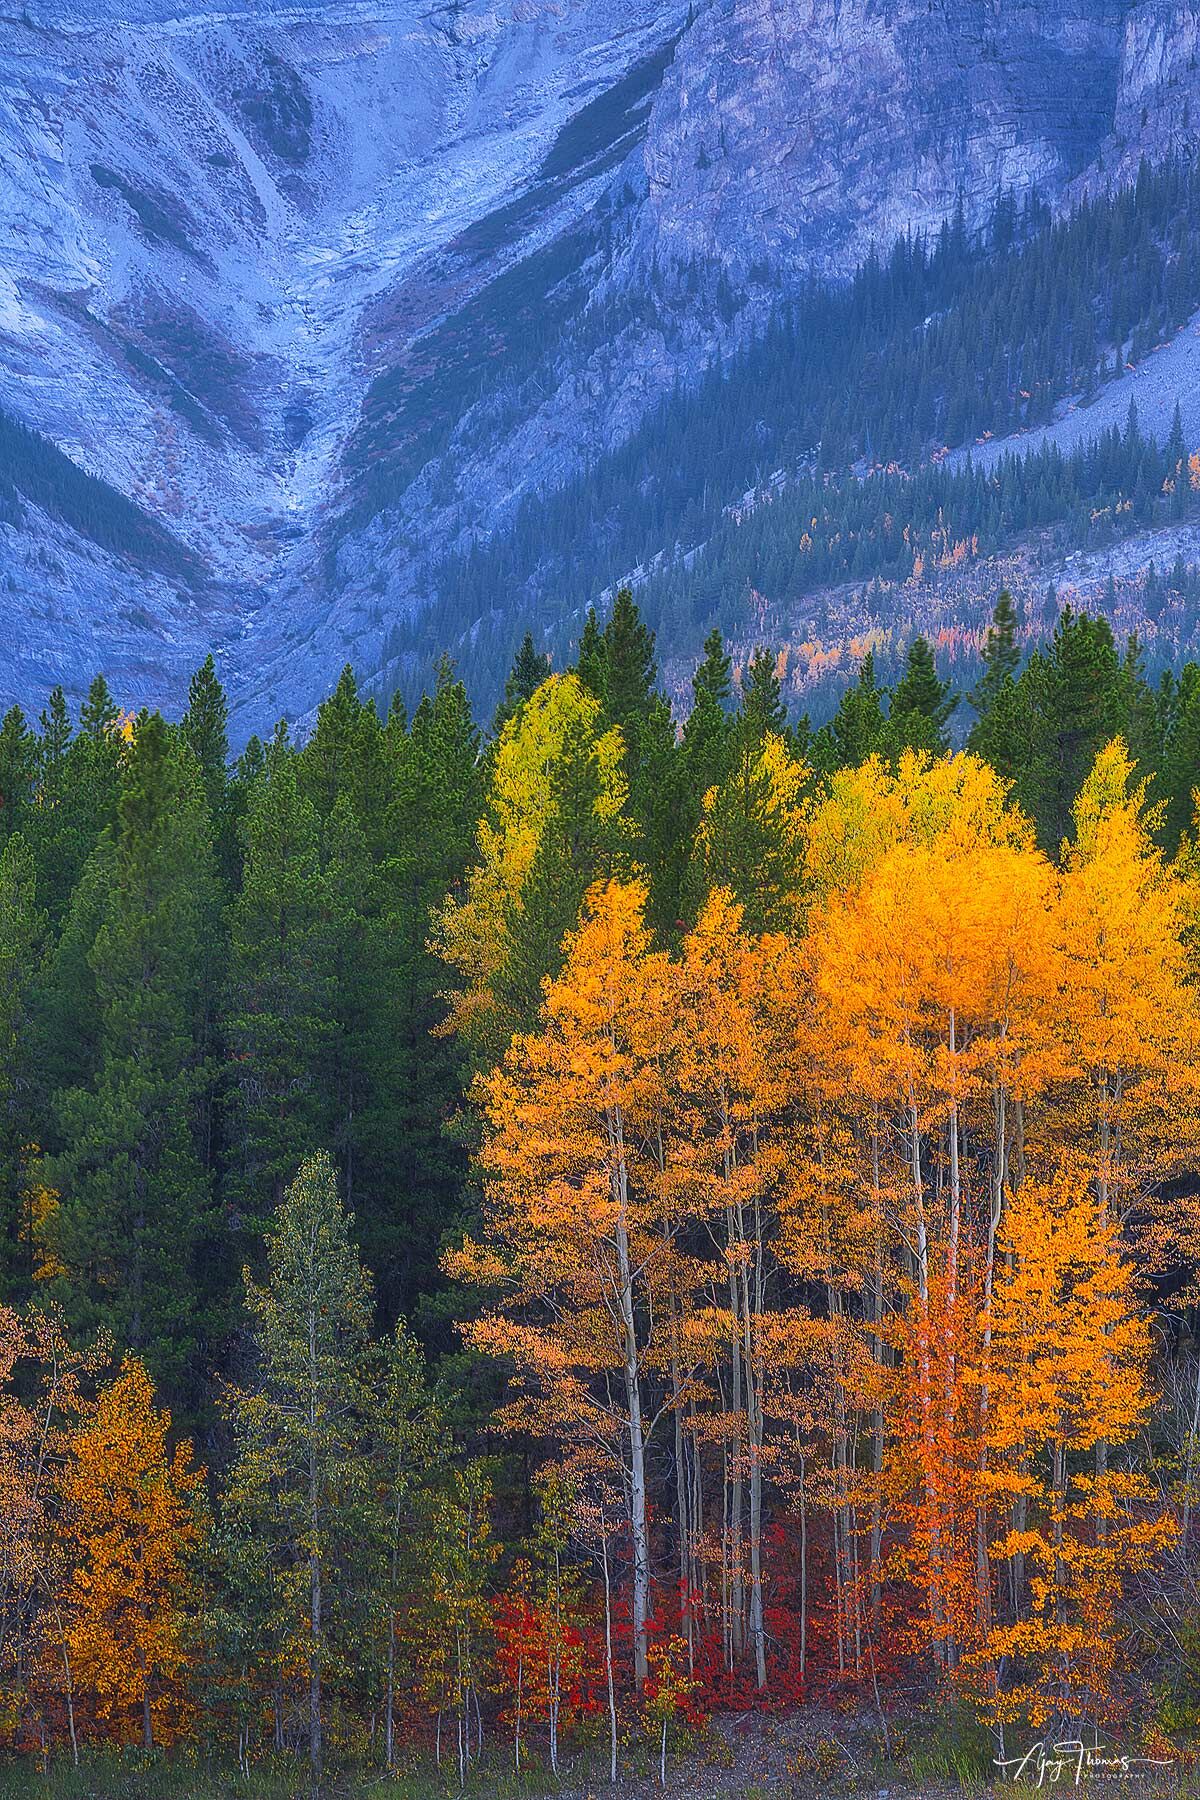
{"points": [[514, 1233], [940, 343]]}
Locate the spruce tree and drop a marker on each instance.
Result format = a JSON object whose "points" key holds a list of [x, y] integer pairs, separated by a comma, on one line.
{"points": [[858, 729], [410, 1169], [18, 771], [278, 1008], [300, 1485], [762, 711], [530, 668], [921, 704], [206, 729], [134, 1200], [22, 930]]}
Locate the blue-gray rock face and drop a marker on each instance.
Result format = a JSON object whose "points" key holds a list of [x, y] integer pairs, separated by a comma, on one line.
{"points": [[319, 289]]}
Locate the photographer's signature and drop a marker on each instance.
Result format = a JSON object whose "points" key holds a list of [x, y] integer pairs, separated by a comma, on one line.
{"points": [[1069, 1763]]}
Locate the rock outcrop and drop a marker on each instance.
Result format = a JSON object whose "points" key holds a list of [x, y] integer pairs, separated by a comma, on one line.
{"points": [[322, 289]]}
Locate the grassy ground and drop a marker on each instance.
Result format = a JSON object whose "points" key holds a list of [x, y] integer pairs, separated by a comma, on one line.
{"points": [[806, 1756]]}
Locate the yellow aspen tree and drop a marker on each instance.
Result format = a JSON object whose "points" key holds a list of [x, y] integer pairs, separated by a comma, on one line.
{"points": [[555, 805], [727, 1155], [1070, 1352], [933, 977], [1128, 1018]]}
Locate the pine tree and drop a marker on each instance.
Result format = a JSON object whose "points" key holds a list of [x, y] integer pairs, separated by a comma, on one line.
{"points": [[1001, 656], [99, 713], [78, 781], [301, 1473], [55, 738], [708, 741], [629, 667], [410, 1168], [18, 769], [22, 931], [205, 728], [347, 754], [921, 704], [1181, 770], [67, 1024], [859, 729], [355, 986], [590, 663], [530, 668], [278, 1007], [762, 713], [134, 1208], [751, 838], [1082, 713]]}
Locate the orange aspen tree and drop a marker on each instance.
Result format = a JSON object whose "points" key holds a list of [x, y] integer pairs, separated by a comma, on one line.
{"points": [[21, 1511], [576, 1242], [41, 1402], [131, 1524], [1070, 1350], [727, 1155], [932, 978]]}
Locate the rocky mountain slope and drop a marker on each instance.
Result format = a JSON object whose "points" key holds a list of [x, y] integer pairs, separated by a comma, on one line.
{"points": [[318, 291]]}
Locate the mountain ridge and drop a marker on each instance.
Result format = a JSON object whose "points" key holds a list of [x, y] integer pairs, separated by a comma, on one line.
{"points": [[325, 292]]}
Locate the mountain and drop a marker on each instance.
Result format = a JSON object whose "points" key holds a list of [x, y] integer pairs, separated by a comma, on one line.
{"points": [[303, 306]]}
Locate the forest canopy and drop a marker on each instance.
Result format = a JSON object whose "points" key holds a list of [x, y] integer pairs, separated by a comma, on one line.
{"points": [[518, 1233]]}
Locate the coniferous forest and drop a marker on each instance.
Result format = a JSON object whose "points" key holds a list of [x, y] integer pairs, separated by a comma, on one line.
{"points": [[525, 1238]]}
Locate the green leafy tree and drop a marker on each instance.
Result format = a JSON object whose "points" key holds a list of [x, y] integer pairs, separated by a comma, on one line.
{"points": [[451, 1613], [411, 1448]]}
